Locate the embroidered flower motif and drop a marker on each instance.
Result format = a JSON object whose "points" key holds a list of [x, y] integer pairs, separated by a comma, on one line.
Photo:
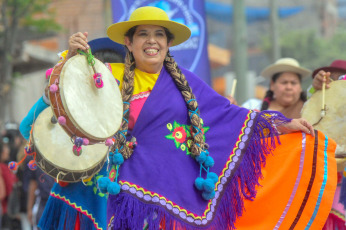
{"points": [[183, 147], [179, 134], [169, 126], [112, 174]]}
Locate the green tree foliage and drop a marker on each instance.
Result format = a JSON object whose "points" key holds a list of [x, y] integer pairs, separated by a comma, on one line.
{"points": [[16, 14], [310, 49]]}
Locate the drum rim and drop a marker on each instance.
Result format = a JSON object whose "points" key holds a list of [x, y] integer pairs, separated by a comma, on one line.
{"points": [[65, 109], [41, 157]]}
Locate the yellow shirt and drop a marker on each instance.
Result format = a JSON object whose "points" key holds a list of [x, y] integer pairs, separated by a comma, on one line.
{"points": [[143, 85]]}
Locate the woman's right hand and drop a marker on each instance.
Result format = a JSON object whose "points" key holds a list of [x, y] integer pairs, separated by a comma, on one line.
{"points": [[77, 41], [319, 79], [232, 100], [296, 125]]}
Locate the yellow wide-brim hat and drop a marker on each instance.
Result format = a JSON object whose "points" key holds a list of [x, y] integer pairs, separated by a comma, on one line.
{"points": [[149, 15], [285, 65]]}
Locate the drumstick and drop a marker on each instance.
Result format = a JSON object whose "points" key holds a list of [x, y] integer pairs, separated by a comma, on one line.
{"points": [[233, 87], [323, 113]]}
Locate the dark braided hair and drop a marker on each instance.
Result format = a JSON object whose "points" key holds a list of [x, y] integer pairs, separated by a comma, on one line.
{"points": [[109, 56], [192, 105], [270, 94], [126, 92]]}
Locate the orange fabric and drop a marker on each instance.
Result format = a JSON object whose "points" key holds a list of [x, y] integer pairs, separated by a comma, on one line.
{"points": [[279, 177]]}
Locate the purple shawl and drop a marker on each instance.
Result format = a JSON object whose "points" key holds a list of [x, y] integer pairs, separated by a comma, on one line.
{"points": [[157, 181]]}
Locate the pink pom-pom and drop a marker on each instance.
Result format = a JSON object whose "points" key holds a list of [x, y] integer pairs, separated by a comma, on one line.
{"points": [[77, 150], [98, 80], [13, 166], [32, 165], [53, 88], [49, 72], [62, 120], [109, 142], [85, 141]]}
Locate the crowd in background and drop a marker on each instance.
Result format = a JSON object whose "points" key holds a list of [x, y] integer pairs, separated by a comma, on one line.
{"points": [[19, 190]]}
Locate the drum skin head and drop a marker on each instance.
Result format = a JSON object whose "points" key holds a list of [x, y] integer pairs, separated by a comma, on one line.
{"points": [[95, 112], [54, 152], [334, 123]]}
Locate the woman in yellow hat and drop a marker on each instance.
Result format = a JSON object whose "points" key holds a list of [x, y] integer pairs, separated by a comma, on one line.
{"points": [[183, 156]]}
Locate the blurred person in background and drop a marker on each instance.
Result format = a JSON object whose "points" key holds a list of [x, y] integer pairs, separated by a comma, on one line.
{"points": [[335, 71], [9, 179], [15, 140], [40, 185], [285, 93], [16, 145], [2, 188]]}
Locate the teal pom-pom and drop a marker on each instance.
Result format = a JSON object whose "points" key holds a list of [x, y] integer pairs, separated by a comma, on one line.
{"points": [[208, 185], [118, 159], [199, 183], [113, 188], [213, 176], [103, 183], [201, 158], [209, 162], [208, 195]]}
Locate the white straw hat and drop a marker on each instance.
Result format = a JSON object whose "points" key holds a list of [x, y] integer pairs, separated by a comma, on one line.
{"points": [[285, 65]]}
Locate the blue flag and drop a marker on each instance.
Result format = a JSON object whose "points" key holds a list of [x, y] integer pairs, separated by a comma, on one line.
{"points": [[192, 54]]}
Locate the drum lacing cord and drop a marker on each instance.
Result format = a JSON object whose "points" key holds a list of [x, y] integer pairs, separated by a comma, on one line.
{"points": [[89, 57], [57, 176], [91, 61]]}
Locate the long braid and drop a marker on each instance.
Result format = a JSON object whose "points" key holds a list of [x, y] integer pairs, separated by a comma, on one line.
{"points": [[303, 96], [126, 92], [182, 84], [267, 99]]}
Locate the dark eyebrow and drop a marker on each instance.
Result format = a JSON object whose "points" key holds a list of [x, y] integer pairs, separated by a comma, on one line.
{"points": [[144, 30]]}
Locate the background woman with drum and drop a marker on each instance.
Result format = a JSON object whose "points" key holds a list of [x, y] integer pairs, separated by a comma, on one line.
{"points": [[336, 129], [335, 71], [285, 94], [184, 157]]}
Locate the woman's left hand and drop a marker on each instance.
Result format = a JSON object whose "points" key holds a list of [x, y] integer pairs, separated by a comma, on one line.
{"points": [[297, 125]]}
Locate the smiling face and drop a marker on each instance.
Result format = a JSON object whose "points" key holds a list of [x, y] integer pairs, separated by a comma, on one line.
{"points": [[286, 88], [149, 47]]}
